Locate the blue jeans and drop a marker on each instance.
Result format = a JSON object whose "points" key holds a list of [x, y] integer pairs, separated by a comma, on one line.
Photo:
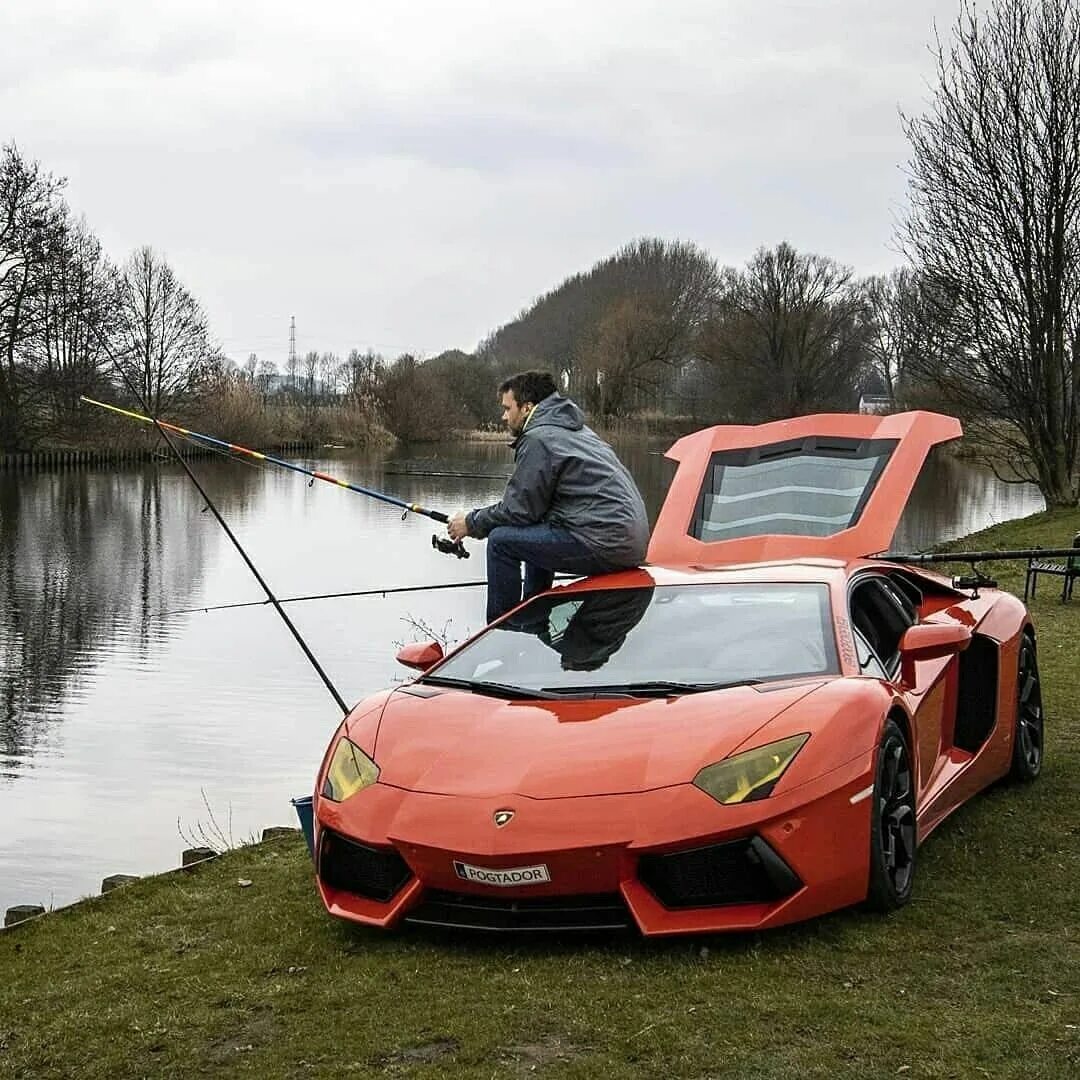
{"points": [[544, 550]]}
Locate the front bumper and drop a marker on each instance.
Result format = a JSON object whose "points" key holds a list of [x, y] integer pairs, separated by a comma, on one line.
{"points": [[668, 861]]}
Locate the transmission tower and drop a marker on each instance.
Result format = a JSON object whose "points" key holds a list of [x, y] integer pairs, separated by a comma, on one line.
{"points": [[292, 350]]}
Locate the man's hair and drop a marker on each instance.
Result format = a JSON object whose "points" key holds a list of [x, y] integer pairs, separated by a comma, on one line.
{"points": [[529, 386]]}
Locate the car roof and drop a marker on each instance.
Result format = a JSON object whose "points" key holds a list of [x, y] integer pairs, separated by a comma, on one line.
{"points": [[831, 485]]}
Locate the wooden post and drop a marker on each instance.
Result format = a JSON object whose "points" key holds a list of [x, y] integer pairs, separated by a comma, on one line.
{"points": [[114, 881], [196, 855], [273, 832], [21, 912]]}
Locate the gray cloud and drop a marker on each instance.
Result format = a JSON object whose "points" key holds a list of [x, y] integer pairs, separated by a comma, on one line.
{"points": [[409, 177]]}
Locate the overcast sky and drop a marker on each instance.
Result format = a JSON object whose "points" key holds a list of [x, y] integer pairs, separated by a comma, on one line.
{"points": [[410, 175]]}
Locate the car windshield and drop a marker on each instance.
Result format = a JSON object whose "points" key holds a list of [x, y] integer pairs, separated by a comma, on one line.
{"points": [[663, 639]]}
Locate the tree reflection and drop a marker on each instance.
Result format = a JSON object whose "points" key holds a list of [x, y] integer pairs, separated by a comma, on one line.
{"points": [[85, 558], [952, 498]]}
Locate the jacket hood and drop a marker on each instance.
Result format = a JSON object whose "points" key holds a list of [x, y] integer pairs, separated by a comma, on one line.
{"points": [[556, 411]]}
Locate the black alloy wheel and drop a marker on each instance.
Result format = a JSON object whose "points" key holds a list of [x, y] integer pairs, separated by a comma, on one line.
{"points": [[892, 824], [1027, 755]]}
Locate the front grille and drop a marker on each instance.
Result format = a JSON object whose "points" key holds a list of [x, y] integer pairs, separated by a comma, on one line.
{"points": [[468, 912], [354, 868], [740, 872]]}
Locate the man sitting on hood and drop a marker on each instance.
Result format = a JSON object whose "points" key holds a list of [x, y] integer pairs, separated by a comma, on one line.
{"points": [[570, 507]]}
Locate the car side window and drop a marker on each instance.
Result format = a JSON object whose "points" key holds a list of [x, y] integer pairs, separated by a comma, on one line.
{"points": [[868, 662], [881, 615], [902, 599], [910, 593]]}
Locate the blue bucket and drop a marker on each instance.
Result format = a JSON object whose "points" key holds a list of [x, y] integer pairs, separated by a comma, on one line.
{"points": [[305, 811]]}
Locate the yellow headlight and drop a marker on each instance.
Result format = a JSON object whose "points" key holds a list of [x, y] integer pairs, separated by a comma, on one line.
{"points": [[750, 775], [350, 771]]}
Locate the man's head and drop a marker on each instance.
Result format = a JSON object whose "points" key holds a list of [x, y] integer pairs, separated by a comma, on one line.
{"points": [[520, 394]]}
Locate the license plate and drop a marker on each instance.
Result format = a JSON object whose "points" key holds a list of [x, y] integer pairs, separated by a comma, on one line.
{"points": [[507, 877]]}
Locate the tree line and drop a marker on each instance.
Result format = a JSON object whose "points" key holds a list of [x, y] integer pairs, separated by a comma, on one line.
{"points": [[73, 323], [983, 319], [71, 320]]}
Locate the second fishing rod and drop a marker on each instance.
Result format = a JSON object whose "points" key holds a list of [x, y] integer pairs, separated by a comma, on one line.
{"points": [[440, 543]]}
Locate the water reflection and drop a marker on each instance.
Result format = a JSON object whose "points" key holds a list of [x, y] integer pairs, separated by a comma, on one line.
{"points": [[84, 558], [953, 498], [587, 631], [115, 725]]}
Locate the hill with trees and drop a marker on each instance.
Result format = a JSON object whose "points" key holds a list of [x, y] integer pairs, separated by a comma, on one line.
{"points": [[983, 321]]}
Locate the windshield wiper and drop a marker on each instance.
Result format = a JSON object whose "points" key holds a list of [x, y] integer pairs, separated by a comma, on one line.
{"points": [[494, 689], [659, 688]]}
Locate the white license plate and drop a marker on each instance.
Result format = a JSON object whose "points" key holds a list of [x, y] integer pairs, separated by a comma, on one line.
{"points": [[507, 877]]}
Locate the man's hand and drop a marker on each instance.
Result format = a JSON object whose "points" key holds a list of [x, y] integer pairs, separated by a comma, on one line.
{"points": [[456, 526]]}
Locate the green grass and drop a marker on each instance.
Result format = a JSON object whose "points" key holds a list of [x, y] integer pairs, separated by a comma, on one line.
{"points": [[193, 975]]}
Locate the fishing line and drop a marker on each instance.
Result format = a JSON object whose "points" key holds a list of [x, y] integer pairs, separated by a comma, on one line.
{"points": [[445, 545], [320, 596], [271, 598], [336, 596]]}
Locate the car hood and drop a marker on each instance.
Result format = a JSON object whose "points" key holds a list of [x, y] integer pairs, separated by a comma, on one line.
{"points": [[459, 743]]}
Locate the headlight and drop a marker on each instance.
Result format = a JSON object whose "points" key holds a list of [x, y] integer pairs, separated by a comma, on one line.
{"points": [[350, 771], [750, 775]]}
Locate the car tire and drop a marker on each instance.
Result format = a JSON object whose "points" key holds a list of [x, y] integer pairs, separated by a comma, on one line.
{"points": [[893, 835], [1027, 755]]}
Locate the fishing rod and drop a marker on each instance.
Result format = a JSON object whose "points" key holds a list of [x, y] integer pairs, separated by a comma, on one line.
{"points": [[443, 544], [320, 596], [980, 556], [340, 701], [336, 596], [978, 579]]}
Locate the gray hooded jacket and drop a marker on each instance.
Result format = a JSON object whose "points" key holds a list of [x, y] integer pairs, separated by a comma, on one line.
{"points": [[565, 474]]}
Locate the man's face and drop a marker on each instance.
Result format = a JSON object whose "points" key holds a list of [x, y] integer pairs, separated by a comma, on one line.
{"points": [[515, 415]]}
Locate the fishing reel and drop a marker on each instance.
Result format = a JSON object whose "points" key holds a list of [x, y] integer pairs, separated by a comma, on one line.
{"points": [[975, 580], [448, 546]]}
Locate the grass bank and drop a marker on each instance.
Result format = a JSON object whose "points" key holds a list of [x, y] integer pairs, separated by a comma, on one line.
{"points": [[202, 976]]}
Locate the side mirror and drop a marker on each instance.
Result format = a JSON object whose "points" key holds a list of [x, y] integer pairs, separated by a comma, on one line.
{"points": [[420, 655], [930, 641]]}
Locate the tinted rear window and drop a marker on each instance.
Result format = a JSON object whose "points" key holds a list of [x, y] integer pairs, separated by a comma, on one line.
{"points": [[806, 487]]}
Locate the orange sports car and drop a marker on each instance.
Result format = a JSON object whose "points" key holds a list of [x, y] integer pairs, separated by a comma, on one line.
{"points": [[759, 726]]}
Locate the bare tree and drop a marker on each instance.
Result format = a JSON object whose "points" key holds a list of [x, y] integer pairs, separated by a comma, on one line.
{"points": [[625, 355], [361, 377], [76, 302], [907, 332], [309, 367], [292, 371], [165, 343], [788, 336], [309, 393], [329, 376], [994, 227], [414, 401], [265, 376], [30, 207], [471, 383], [656, 297]]}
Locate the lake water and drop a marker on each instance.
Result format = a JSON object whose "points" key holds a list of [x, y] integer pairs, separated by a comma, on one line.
{"points": [[126, 736]]}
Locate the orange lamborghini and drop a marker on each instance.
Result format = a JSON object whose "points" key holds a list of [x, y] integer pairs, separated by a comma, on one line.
{"points": [[759, 726]]}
